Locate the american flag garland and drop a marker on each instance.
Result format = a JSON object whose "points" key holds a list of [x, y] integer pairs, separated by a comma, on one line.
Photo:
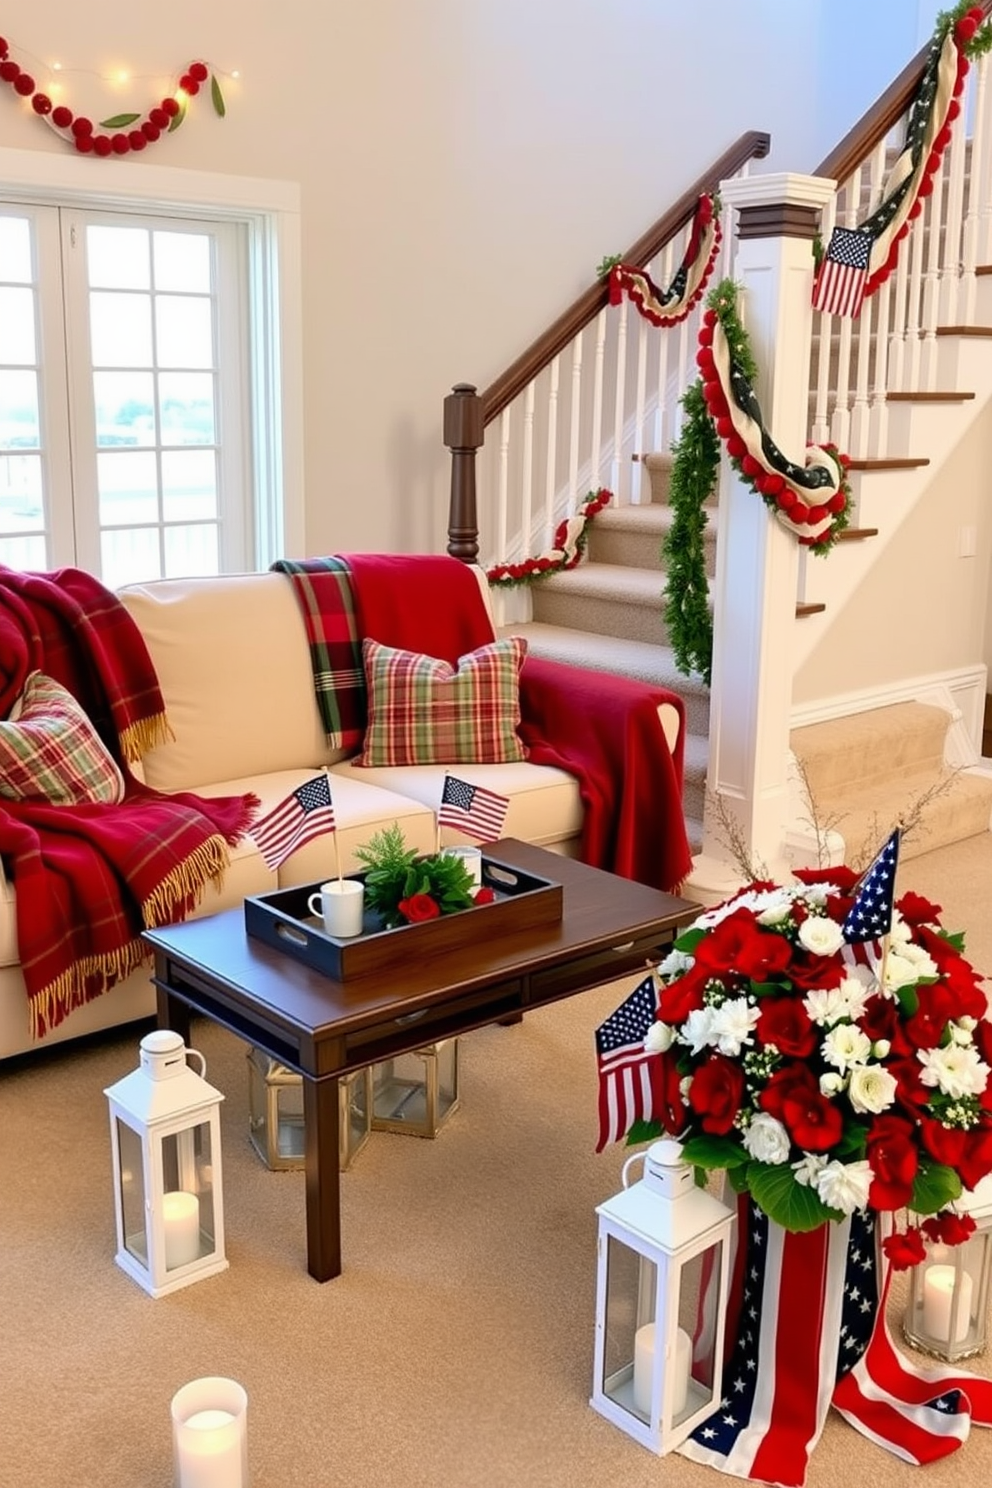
{"points": [[668, 307], [859, 260], [812, 500]]}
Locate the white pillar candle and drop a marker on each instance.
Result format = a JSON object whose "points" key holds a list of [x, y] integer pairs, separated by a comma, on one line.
{"points": [[181, 1223], [644, 1345], [209, 1419], [938, 1291]]}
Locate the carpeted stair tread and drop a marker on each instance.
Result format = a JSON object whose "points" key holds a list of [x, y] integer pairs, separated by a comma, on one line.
{"points": [[871, 746], [864, 816], [632, 536], [606, 581]]}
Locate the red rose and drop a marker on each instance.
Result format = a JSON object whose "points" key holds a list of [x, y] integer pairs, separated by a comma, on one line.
{"points": [[739, 944], [682, 997], [916, 910], [925, 1028], [813, 1120], [842, 877], [945, 1144], [957, 974], [716, 1092], [905, 1250], [948, 1228], [785, 1023], [484, 896], [894, 1160], [419, 907], [783, 1083], [977, 1160], [810, 972], [910, 1088], [666, 1093]]}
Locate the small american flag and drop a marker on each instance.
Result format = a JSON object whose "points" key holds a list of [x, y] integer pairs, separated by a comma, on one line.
{"points": [[870, 916], [843, 275], [624, 1067], [304, 814], [472, 809]]}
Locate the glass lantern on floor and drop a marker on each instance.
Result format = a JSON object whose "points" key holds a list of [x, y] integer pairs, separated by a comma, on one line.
{"points": [[275, 1113], [947, 1306], [661, 1299], [165, 1138], [416, 1092]]}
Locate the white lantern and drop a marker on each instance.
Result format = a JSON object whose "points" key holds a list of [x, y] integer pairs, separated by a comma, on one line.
{"points": [[947, 1306], [661, 1294], [165, 1136]]}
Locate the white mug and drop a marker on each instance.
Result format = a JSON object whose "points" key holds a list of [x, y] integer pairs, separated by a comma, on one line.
{"points": [[471, 859], [341, 905]]}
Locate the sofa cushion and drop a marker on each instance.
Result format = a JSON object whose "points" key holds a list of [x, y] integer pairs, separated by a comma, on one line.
{"points": [[545, 805], [234, 668], [50, 751], [423, 711]]}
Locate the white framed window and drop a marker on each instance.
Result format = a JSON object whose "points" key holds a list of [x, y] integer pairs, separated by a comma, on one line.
{"points": [[149, 370]]}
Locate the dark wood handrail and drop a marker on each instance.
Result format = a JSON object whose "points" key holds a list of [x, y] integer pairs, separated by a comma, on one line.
{"points": [[501, 393], [873, 126]]}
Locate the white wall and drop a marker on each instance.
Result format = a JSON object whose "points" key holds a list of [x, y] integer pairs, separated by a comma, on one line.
{"points": [[464, 166]]}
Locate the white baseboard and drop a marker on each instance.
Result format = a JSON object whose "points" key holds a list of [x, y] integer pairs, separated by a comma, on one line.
{"points": [[961, 693]]}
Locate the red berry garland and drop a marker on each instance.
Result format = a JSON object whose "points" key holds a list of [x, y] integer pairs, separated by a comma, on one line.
{"points": [[127, 132], [507, 575]]}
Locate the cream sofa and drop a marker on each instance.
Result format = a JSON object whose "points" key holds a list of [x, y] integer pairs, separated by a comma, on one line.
{"points": [[233, 664]]}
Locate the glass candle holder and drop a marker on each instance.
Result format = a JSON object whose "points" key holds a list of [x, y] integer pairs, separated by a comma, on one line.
{"points": [[210, 1434]]}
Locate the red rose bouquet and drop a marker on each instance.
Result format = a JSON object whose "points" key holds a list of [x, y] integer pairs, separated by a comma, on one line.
{"points": [[825, 1073]]}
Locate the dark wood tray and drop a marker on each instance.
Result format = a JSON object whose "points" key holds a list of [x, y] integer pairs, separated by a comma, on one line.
{"points": [[283, 920]]}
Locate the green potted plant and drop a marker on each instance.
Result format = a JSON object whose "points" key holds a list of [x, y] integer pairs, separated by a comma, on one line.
{"points": [[403, 887]]}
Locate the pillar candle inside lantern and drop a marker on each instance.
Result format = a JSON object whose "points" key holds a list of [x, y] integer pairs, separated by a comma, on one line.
{"points": [[644, 1343], [938, 1291], [181, 1223]]}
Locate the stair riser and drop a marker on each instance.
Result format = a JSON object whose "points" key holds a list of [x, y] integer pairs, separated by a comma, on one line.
{"points": [[948, 820], [843, 757], [631, 549], [629, 622]]}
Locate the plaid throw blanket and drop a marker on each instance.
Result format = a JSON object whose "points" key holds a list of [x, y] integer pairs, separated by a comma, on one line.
{"points": [[323, 589], [90, 878]]}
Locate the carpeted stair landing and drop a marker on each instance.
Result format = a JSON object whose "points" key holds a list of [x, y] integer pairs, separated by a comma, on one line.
{"points": [[872, 770]]}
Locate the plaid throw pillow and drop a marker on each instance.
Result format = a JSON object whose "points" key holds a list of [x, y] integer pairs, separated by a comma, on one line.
{"points": [[422, 711], [51, 752]]}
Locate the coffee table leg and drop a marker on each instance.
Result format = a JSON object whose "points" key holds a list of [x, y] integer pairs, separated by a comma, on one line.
{"points": [[320, 1117]]}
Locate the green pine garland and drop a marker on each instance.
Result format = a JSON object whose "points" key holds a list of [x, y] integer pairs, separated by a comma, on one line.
{"points": [[693, 476]]}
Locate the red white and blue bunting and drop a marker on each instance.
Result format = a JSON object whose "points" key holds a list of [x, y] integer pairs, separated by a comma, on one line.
{"points": [[670, 306], [859, 260]]}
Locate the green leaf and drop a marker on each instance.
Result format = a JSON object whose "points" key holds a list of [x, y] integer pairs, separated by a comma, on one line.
{"points": [[714, 1152], [790, 1204], [934, 1187], [119, 121], [738, 1180], [220, 107], [644, 1131], [768, 989], [183, 102], [852, 1143], [908, 1000], [954, 938], [688, 940]]}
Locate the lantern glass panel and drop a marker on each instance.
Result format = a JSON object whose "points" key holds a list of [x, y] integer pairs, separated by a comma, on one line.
{"points": [[697, 1302], [400, 1089], [447, 1077], [132, 1187], [629, 1305], [187, 1169], [948, 1299], [290, 1127]]}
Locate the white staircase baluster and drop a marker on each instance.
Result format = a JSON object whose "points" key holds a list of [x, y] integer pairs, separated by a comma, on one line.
{"points": [[860, 412], [952, 249], [931, 216], [551, 454], [914, 302], [527, 478], [898, 359], [663, 413], [640, 430], [878, 425], [840, 423], [596, 450], [620, 385], [976, 188], [502, 513], [575, 425]]}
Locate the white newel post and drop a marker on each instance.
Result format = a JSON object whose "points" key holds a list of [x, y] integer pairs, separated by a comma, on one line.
{"points": [[757, 569]]}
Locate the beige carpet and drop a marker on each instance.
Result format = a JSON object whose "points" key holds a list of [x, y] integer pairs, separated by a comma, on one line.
{"points": [[456, 1348]]}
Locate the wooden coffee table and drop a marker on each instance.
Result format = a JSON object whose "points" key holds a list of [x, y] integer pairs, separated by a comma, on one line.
{"points": [[323, 1028]]}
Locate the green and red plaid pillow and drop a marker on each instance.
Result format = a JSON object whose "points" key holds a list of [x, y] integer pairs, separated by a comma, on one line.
{"points": [[422, 711], [51, 752]]}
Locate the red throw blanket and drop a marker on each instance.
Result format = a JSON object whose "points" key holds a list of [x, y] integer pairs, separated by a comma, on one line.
{"points": [[601, 728], [90, 878]]}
